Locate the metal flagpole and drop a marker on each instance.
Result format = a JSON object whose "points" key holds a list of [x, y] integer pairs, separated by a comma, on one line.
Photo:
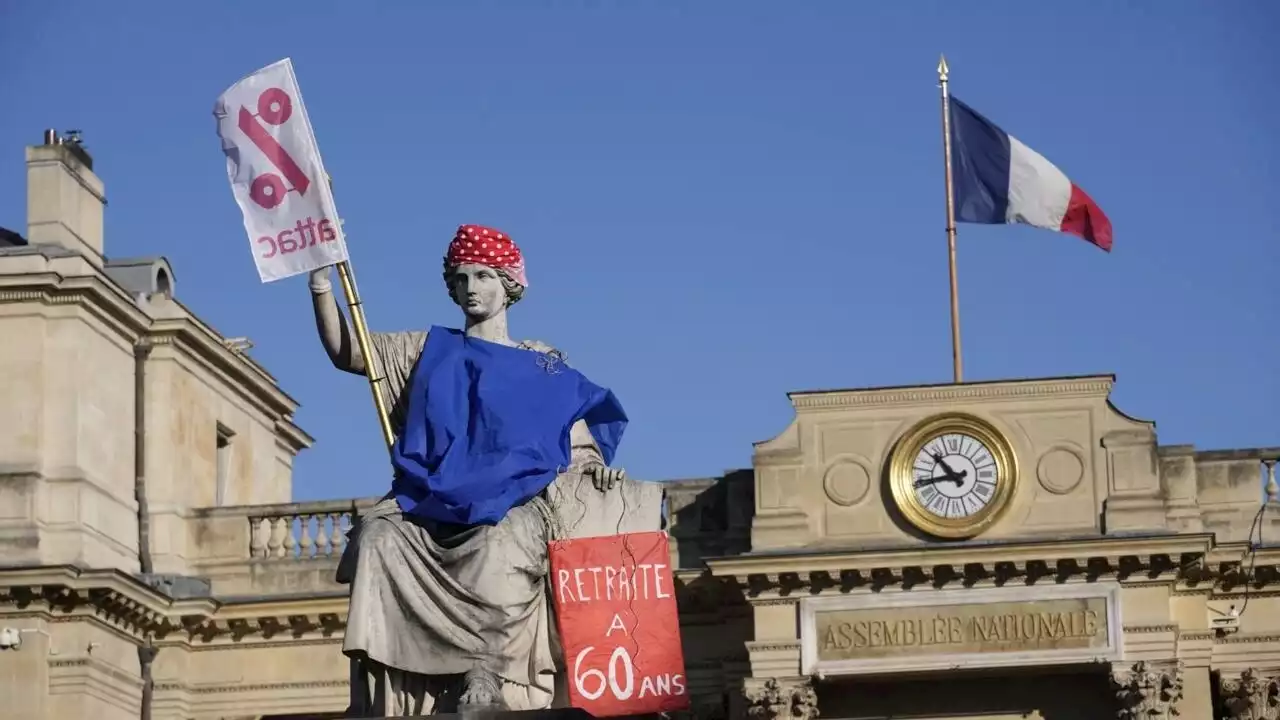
{"points": [[372, 367], [957, 365]]}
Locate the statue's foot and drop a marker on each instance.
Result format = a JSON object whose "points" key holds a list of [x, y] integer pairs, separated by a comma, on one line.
{"points": [[481, 689]]}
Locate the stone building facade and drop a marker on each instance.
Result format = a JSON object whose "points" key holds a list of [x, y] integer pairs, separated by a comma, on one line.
{"points": [[151, 564]]}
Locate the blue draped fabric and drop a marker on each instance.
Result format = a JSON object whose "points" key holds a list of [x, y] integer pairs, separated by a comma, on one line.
{"points": [[487, 427]]}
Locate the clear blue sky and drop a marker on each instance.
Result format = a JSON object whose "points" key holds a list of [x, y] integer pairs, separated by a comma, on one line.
{"points": [[719, 201]]}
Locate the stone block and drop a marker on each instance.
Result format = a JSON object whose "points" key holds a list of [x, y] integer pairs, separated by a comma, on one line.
{"points": [[633, 506]]}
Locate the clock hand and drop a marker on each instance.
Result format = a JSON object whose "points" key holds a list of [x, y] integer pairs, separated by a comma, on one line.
{"points": [[956, 477], [947, 468]]}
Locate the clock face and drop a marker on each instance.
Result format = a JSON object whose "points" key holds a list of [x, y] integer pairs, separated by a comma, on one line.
{"points": [[952, 475], [955, 476]]}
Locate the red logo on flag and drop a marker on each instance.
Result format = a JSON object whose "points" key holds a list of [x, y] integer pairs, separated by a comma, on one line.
{"points": [[275, 107], [616, 607]]}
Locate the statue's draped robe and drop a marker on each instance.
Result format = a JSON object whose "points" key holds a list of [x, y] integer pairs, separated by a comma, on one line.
{"points": [[430, 599]]}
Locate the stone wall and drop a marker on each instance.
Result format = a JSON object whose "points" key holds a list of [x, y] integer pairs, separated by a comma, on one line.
{"points": [[104, 360]]}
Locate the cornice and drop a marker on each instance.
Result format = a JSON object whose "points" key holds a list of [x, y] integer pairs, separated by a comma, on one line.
{"points": [[332, 603], [110, 596], [1088, 386], [98, 297], [111, 304], [320, 620], [1146, 559], [699, 593], [219, 361], [1250, 639], [1236, 569], [822, 559], [763, 646], [1232, 552], [134, 610], [291, 436], [1149, 629], [239, 687]]}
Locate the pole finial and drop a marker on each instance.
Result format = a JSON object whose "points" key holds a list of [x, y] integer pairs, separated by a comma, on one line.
{"points": [[942, 68]]}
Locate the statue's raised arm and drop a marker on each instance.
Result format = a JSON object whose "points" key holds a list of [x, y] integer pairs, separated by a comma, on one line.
{"points": [[335, 333], [498, 444]]}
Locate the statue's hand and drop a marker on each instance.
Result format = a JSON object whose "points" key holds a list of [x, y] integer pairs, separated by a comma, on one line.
{"points": [[319, 281], [604, 477]]}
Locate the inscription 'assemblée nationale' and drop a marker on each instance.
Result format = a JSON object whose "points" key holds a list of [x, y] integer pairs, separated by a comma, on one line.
{"points": [[977, 627]]}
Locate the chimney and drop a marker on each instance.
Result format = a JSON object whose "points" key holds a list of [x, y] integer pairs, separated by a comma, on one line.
{"points": [[64, 198]]}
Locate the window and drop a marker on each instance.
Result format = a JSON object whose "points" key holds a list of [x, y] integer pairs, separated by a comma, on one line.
{"points": [[223, 463]]}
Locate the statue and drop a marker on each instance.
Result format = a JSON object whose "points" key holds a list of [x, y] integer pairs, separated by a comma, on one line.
{"points": [[449, 601]]}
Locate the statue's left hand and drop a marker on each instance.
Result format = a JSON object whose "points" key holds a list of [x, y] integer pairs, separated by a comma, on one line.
{"points": [[603, 476]]}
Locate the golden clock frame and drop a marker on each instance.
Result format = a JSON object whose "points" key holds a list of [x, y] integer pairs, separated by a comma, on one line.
{"points": [[901, 477]]}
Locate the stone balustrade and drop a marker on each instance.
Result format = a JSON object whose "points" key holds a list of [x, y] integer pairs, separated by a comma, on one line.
{"points": [[286, 548], [294, 548], [301, 531], [1218, 490]]}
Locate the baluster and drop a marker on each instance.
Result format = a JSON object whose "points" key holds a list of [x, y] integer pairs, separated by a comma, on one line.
{"points": [[257, 537], [1273, 490], [323, 547], [290, 540], [275, 544], [338, 538], [304, 535]]}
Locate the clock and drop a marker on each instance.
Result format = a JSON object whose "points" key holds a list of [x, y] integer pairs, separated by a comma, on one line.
{"points": [[952, 475]]}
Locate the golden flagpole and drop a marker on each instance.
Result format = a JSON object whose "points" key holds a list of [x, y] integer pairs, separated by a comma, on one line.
{"points": [[957, 365], [372, 367]]}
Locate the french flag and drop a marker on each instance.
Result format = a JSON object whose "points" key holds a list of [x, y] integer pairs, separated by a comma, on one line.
{"points": [[998, 180]]}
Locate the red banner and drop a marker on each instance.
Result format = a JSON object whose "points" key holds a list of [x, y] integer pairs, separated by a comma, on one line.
{"points": [[616, 607]]}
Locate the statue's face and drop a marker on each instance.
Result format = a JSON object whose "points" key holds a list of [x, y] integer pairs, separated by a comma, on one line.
{"points": [[478, 290]]}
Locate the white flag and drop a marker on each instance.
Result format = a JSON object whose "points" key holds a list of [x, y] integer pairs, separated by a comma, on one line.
{"points": [[277, 176]]}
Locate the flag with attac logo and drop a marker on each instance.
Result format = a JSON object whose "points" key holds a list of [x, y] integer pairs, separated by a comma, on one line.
{"points": [[277, 176]]}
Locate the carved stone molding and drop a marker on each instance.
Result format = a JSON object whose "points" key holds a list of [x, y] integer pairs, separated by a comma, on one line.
{"points": [[118, 602], [785, 699], [1252, 696], [1148, 690], [1158, 560], [1098, 386], [773, 646], [112, 305], [104, 596]]}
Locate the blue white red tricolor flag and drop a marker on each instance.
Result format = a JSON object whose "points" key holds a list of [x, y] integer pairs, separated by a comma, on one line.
{"points": [[276, 174], [998, 180]]}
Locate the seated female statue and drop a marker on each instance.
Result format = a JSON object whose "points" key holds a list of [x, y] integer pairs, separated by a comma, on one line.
{"points": [[449, 605]]}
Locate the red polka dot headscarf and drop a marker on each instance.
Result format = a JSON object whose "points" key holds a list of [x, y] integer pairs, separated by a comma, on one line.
{"points": [[486, 246]]}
